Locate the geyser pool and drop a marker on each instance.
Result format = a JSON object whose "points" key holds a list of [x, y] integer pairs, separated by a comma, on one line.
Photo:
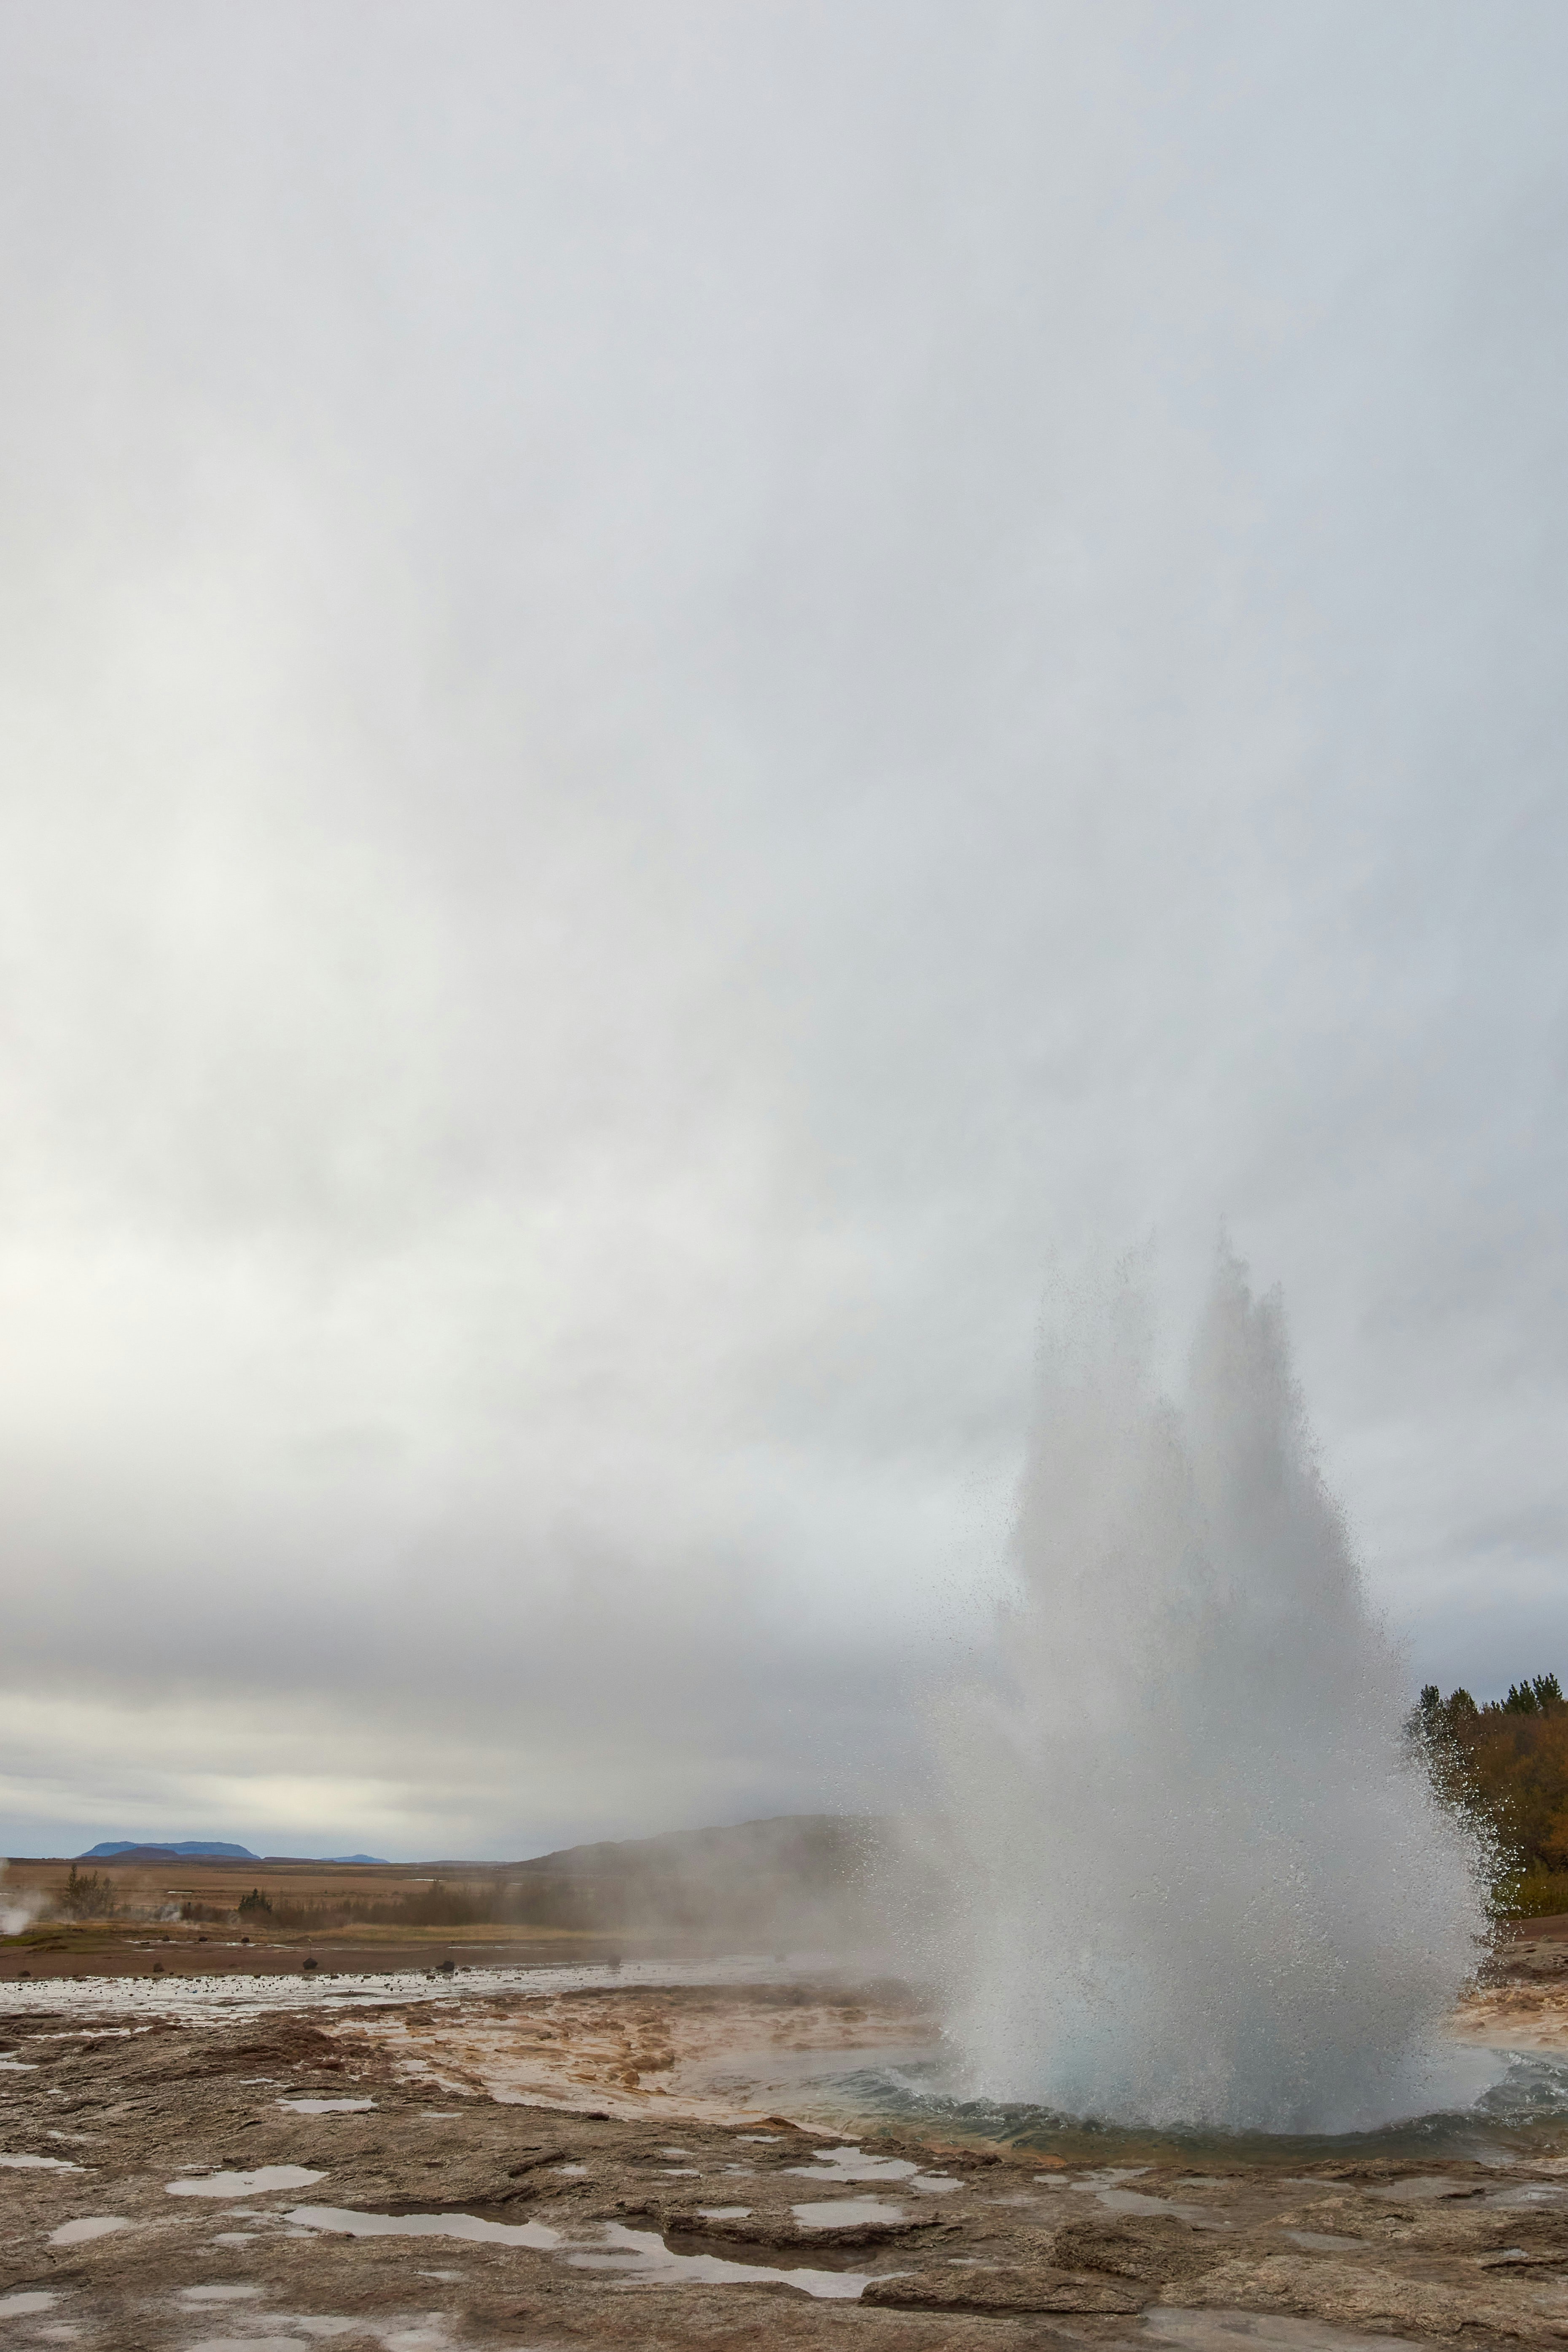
{"points": [[1206, 1881]]}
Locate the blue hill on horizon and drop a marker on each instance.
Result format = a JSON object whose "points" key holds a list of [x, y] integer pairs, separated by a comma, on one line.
{"points": [[111, 1846], [108, 1848]]}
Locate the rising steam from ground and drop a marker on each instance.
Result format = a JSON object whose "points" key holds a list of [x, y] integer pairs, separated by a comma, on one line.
{"points": [[14, 1916], [1210, 1884]]}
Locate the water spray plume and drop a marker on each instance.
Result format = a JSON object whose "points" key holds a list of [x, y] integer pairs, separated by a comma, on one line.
{"points": [[1212, 1884]]}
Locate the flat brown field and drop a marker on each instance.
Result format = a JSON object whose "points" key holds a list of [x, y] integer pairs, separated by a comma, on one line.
{"points": [[222, 1882], [143, 1945]]}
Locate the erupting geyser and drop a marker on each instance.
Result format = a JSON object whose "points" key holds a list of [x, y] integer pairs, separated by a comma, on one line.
{"points": [[1212, 1885]]}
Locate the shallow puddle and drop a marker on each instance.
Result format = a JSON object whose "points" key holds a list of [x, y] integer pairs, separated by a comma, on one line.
{"points": [[40, 2164], [259, 2183], [849, 2213], [344, 2222], [851, 2163], [91, 2225], [641, 2255]]}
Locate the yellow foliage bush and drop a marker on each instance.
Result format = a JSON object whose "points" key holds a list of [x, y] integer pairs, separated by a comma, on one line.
{"points": [[1506, 1765]]}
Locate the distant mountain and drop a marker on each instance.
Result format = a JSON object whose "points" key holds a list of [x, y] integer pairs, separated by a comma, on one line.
{"points": [[211, 1849], [165, 1849]]}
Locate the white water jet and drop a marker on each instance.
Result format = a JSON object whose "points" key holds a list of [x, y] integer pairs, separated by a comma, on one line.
{"points": [[1211, 1885]]}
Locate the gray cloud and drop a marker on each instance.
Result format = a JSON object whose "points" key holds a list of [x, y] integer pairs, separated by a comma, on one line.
{"points": [[688, 695]]}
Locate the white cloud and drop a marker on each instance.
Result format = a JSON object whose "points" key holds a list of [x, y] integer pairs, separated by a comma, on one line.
{"points": [[680, 697]]}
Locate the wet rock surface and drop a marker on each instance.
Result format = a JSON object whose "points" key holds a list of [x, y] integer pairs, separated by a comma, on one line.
{"points": [[434, 2219]]}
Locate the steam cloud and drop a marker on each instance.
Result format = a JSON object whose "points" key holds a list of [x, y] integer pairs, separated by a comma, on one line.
{"points": [[14, 1916]]}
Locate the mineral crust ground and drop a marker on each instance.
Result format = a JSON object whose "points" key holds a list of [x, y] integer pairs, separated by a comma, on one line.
{"points": [[533, 2171]]}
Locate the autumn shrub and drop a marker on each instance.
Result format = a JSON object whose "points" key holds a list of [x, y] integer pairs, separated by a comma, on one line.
{"points": [[437, 1905], [86, 1895], [1505, 1766], [1534, 1894]]}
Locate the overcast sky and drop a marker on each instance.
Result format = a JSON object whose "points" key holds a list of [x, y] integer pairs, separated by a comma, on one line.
{"points": [[687, 693]]}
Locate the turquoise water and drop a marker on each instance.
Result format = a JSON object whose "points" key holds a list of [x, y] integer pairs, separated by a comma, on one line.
{"points": [[1522, 2113]]}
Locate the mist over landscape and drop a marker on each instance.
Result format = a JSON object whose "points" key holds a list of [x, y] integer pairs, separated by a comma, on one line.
{"points": [[697, 704]]}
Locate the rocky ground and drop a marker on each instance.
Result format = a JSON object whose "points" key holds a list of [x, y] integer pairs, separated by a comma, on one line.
{"points": [[1522, 2000], [289, 2182]]}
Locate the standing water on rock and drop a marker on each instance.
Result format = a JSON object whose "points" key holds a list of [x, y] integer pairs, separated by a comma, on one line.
{"points": [[1211, 1882]]}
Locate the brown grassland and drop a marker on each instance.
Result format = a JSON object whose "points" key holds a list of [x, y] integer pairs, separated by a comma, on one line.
{"points": [[185, 1916], [795, 1881]]}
